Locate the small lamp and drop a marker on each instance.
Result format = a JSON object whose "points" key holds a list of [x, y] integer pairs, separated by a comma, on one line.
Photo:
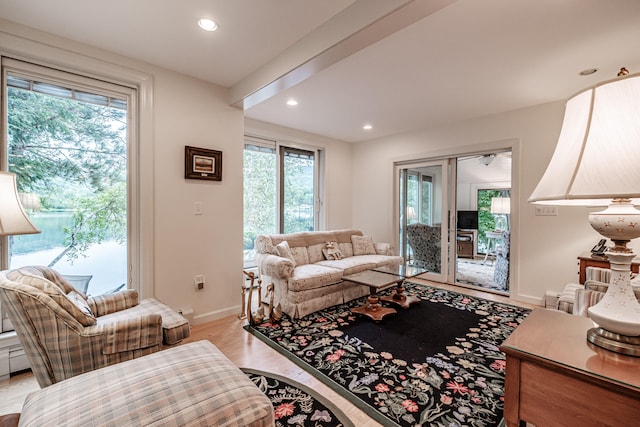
{"points": [[500, 208], [597, 163], [13, 218], [411, 214]]}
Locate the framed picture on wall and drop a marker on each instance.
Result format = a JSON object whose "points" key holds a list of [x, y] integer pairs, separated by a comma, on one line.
{"points": [[202, 163]]}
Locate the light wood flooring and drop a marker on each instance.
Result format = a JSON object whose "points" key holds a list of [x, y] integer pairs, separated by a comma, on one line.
{"points": [[244, 350]]}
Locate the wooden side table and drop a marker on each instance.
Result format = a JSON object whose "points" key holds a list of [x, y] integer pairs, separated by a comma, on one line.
{"points": [[554, 377]]}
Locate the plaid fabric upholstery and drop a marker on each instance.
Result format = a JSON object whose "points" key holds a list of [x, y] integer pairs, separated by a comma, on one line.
{"points": [[110, 303], [59, 346], [188, 385]]}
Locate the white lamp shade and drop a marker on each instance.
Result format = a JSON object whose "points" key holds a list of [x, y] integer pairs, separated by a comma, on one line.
{"points": [[501, 205], [13, 218], [598, 152]]}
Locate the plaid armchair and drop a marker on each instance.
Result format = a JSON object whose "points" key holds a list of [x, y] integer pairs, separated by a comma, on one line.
{"points": [[65, 333]]}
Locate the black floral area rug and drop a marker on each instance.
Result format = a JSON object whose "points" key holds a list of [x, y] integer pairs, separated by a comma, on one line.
{"points": [[295, 404], [436, 363]]}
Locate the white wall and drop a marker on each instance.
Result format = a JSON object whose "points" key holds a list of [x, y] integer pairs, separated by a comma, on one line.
{"points": [[194, 113], [544, 249]]}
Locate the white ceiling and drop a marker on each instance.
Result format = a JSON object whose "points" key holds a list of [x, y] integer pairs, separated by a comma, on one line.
{"points": [[400, 65]]}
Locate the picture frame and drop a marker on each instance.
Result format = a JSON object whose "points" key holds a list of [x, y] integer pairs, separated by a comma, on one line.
{"points": [[202, 163]]}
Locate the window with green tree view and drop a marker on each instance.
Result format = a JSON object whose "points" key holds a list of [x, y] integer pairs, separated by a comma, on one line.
{"points": [[279, 191], [68, 146], [486, 220]]}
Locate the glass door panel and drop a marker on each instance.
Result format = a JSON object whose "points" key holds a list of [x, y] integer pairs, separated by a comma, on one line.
{"points": [[423, 213]]}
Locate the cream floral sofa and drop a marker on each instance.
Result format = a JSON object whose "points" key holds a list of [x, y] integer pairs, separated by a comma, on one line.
{"points": [[305, 274]]}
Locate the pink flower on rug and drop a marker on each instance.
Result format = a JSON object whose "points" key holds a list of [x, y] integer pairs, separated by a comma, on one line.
{"points": [[382, 388], [410, 405], [465, 301], [457, 387], [284, 410], [499, 365], [334, 357], [386, 355], [446, 399]]}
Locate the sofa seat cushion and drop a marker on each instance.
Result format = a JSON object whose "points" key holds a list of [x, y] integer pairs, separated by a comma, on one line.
{"points": [[311, 276], [350, 265], [358, 263]]}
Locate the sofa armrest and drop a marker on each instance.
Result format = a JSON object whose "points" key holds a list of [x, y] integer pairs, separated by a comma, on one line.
{"points": [[275, 266], [110, 303], [383, 248], [135, 333]]}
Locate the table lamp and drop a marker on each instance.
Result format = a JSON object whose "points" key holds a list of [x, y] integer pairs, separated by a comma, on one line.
{"points": [[13, 218], [597, 163], [500, 207], [411, 215]]}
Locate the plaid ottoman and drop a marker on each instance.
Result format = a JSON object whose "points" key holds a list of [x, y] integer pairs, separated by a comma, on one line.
{"points": [[189, 385]]}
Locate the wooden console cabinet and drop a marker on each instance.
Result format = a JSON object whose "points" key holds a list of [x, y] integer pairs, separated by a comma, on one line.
{"points": [[555, 377], [466, 247], [588, 260]]}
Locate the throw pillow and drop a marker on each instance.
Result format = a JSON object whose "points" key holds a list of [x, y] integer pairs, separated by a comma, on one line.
{"points": [[363, 245], [78, 300], [331, 251], [284, 251]]}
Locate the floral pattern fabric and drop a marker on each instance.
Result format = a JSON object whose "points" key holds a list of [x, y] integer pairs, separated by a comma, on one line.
{"points": [[295, 405], [463, 386]]}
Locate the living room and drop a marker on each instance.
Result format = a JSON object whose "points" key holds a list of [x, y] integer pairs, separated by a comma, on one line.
{"points": [[180, 109], [188, 111]]}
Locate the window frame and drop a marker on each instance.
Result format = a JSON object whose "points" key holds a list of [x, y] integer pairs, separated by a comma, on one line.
{"points": [[140, 131], [39, 75], [279, 149]]}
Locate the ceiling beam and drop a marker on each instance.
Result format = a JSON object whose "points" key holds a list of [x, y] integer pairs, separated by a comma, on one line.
{"points": [[360, 25]]}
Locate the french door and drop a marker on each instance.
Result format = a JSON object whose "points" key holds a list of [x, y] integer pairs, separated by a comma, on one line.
{"points": [[446, 218]]}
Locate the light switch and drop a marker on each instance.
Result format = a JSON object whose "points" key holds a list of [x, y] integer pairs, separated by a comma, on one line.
{"points": [[546, 210], [197, 208]]}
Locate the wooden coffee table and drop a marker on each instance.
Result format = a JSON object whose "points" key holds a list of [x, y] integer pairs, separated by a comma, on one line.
{"points": [[403, 272], [375, 280]]}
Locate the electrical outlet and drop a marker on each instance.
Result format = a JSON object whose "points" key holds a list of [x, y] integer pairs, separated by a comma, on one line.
{"points": [[198, 281]]}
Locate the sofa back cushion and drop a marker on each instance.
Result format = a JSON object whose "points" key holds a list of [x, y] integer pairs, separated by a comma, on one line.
{"points": [[306, 246], [363, 245]]}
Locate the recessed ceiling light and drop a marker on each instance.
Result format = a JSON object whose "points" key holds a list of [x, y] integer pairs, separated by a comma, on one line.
{"points": [[588, 71], [292, 103], [207, 24], [367, 127]]}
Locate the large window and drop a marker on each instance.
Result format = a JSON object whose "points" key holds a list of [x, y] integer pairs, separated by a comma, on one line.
{"points": [[68, 141], [280, 191]]}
